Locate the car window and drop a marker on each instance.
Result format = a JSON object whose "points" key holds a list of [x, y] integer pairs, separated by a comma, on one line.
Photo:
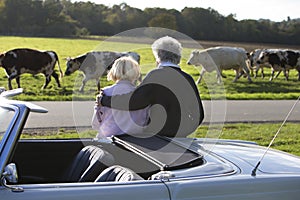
{"points": [[6, 116], [36, 131]]}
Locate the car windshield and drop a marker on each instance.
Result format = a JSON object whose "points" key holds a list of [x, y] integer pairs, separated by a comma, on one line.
{"points": [[6, 116]]}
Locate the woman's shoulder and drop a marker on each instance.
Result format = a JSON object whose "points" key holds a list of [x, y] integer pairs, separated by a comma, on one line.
{"points": [[121, 87], [108, 89]]}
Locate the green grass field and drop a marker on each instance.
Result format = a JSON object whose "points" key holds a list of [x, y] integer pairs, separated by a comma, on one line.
{"points": [[209, 89]]}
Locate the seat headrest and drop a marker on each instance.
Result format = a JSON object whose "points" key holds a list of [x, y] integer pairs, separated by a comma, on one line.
{"points": [[88, 163], [118, 173]]}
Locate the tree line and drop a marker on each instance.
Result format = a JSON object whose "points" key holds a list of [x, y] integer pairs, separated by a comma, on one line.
{"points": [[63, 18]]}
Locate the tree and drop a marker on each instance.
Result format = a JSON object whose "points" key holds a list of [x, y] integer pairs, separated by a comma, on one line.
{"points": [[57, 22], [65, 18], [164, 20], [26, 20], [89, 16]]}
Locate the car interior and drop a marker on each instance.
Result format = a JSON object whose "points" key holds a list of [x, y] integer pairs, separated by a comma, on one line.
{"points": [[125, 158]]}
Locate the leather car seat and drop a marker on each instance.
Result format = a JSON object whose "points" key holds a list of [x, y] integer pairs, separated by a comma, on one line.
{"points": [[87, 165], [118, 173]]}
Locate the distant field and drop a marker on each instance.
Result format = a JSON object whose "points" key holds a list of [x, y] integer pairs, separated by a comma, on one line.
{"points": [[260, 89]]}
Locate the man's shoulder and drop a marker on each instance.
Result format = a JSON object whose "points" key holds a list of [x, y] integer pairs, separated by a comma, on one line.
{"points": [[152, 73], [161, 70], [167, 72]]}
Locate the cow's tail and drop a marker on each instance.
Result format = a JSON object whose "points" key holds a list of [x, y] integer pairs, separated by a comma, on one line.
{"points": [[60, 71]]}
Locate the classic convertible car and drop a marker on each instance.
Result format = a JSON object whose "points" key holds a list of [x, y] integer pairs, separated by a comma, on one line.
{"points": [[139, 167]]}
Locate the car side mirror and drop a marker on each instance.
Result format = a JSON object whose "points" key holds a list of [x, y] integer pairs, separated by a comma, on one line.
{"points": [[10, 175]]}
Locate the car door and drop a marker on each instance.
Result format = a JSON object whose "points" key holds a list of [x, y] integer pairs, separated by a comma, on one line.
{"points": [[145, 190]]}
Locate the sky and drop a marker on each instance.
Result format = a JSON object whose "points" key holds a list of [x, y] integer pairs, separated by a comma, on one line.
{"points": [[275, 10]]}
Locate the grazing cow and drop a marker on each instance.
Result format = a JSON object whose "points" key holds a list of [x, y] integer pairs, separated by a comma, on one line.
{"points": [[223, 58], [292, 59], [253, 58], [276, 59], [95, 64], [24, 60]]}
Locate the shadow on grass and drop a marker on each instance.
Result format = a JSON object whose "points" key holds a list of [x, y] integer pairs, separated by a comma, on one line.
{"points": [[274, 86]]}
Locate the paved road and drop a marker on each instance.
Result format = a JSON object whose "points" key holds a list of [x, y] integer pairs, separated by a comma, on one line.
{"points": [[70, 114]]}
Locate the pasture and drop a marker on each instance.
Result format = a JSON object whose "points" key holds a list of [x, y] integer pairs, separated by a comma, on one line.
{"points": [[209, 89]]}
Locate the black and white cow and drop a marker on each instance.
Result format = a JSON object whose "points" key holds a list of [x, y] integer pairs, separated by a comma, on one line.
{"points": [[95, 64], [24, 60], [221, 58], [254, 66], [280, 60], [292, 61]]}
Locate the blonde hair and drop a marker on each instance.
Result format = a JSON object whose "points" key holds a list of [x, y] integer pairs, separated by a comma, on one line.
{"points": [[124, 68]]}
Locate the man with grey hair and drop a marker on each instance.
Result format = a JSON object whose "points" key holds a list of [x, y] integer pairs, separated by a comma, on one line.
{"points": [[167, 49], [176, 109]]}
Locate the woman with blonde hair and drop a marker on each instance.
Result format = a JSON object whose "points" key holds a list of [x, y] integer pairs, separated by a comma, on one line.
{"points": [[107, 121]]}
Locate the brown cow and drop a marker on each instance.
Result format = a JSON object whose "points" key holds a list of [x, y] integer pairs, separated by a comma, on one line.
{"points": [[23, 60]]}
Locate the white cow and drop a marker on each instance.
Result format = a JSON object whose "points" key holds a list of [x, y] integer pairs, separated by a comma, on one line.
{"points": [[221, 58], [95, 64]]}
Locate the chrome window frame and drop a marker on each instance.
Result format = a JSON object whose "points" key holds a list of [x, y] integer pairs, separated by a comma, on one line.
{"points": [[13, 131]]}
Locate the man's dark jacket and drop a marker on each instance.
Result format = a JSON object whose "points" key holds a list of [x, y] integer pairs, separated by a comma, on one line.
{"points": [[176, 109]]}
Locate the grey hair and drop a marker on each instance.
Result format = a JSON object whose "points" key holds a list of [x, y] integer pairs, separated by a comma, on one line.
{"points": [[167, 49]]}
